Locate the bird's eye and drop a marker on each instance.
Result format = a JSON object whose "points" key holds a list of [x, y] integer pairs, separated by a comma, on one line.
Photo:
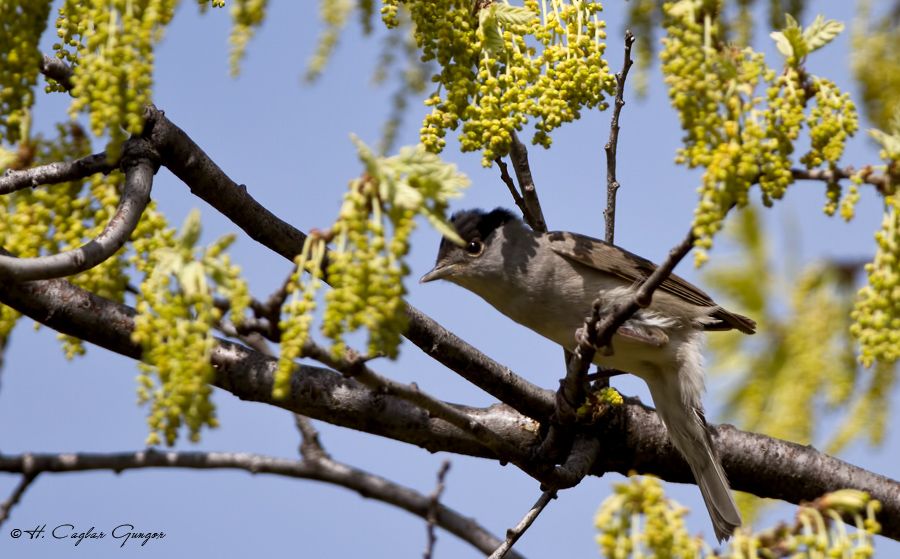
{"points": [[474, 248]]}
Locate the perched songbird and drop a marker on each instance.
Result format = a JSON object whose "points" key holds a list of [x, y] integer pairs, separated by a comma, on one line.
{"points": [[549, 281]]}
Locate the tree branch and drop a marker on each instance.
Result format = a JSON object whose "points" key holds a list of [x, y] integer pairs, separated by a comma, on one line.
{"points": [[310, 446], [513, 191], [434, 503], [611, 148], [641, 298], [206, 180], [518, 154], [634, 439], [139, 170], [358, 370], [53, 173], [368, 485], [57, 70], [513, 534], [16, 496], [879, 181], [571, 393]]}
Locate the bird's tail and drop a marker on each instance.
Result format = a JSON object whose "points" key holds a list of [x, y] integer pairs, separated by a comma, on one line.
{"points": [[678, 403]]}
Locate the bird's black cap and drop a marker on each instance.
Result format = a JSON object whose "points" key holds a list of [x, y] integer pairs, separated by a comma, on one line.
{"points": [[475, 225]]}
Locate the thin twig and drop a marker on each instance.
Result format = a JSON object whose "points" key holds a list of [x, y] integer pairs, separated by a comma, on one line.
{"points": [[310, 446], [16, 495], [598, 330], [867, 173], [435, 501], [612, 184], [518, 154], [642, 296], [272, 306], [571, 393], [517, 198], [513, 534]]}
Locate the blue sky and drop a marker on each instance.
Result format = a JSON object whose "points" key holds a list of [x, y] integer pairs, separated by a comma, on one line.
{"points": [[289, 143]]}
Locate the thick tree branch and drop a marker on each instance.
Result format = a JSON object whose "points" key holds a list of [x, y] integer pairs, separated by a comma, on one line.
{"points": [[206, 180], [633, 437], [139, 169], [54, 173], [611, 148], [358, 370], [323, 469]]}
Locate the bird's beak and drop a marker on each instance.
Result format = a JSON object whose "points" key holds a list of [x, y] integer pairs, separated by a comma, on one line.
{"points": [[440, 271]]}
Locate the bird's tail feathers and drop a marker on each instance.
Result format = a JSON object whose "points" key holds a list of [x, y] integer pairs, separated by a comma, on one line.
{"points": [[717, 495], [678, 405]]}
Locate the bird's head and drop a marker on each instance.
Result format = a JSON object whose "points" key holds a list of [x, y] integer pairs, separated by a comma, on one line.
{"points": [[481, 256]]}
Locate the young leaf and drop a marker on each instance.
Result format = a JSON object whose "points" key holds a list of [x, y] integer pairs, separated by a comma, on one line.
{"points": [[512, 15], [488, 30], [782, 44], [790, 41], [821, 32], [889, 142]]}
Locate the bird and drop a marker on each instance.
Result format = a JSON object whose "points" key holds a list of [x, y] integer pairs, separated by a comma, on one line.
{"points": [[548, 282]]}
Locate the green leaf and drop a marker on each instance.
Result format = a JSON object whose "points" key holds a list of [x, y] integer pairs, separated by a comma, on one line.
{"points": [[512, 15], [782, 44], [167, 261], [790, 41], [192, 278], [889, 142], [489, 31], [440, 223], [190, 230], [821, 32]]}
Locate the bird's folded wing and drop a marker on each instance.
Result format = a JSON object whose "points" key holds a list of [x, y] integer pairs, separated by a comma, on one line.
{"points": [[633, 269], [621, 263]]}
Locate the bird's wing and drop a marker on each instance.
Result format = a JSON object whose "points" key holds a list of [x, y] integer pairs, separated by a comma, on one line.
{"points": [[632, 268], [621, 263]]}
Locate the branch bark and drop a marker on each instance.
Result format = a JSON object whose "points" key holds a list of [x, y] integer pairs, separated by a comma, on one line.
{"points": [[518, 154], [207, 181], [514, 533], [611, 148], [322, 469], [54, 173], [57, 70], [139, 169], [634, 438], [879, 181], [17, 493]]}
